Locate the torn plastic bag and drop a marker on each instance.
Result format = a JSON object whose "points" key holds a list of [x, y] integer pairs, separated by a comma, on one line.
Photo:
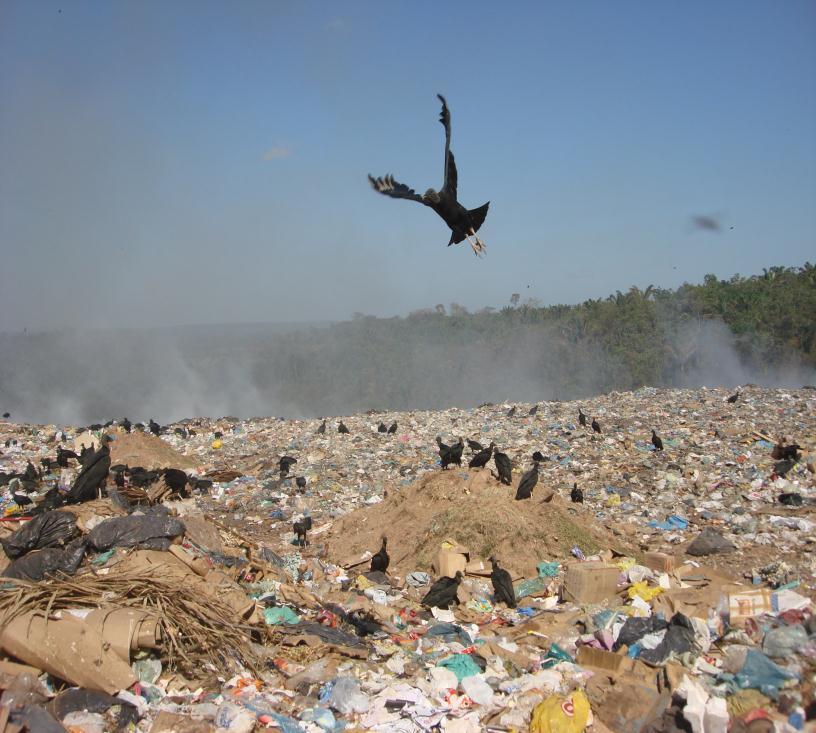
{"points": [[93, 701], [146, 531], [39, 564], [52, 529], [636, 628], [679, 639], [35, 718]]}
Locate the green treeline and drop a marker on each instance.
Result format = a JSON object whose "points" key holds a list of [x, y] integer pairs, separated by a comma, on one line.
{"points": [[723, 332]]}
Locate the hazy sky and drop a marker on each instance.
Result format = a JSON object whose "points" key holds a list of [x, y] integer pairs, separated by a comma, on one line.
{"points": [[194, 162]]}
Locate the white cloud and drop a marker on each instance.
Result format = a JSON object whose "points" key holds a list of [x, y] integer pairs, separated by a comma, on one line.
{"points": [[277, 152]]}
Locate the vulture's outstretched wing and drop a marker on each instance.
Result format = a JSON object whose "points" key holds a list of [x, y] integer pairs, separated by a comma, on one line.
{"points": [[396, 190], [450, 165]]}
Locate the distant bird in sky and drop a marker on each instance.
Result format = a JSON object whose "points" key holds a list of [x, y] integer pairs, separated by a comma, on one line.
{"points": [[463, 223]]}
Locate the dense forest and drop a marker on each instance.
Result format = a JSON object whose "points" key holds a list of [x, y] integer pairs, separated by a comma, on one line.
{"points": [[722, 332]]}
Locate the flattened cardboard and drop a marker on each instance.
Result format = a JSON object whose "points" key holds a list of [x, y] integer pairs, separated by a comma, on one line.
{"points": [[609, 662], [68, 649], [659, 561], [590, 582], [449, 562]]}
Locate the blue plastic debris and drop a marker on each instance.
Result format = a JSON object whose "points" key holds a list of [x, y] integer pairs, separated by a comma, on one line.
{"points": [[673, 522]]}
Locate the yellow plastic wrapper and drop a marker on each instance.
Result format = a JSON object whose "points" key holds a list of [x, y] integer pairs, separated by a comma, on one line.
{"points": [[643, 590], [216, 444], [362, 582], [613, 500], [559, 714]]}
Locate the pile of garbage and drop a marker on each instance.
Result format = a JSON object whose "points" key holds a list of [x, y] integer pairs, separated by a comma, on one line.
{"points": [[650, 590]]}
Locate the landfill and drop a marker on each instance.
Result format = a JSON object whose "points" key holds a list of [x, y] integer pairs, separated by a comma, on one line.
{"points": [[209, 585]]}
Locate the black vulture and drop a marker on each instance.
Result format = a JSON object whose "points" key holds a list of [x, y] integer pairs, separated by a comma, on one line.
{"points": [[21, 499], [539, 456], [581, 417], [596, 426], [127, 425], [512, 411], [381, 428], [443, 592], [504, 467], [154, 427], [453, 454], [481, 459], [176, 479], [92, 477], [528, 483], [6, 415], [341, 428], [656, 441], [380, 561], [285, 463], [533, 410], [782, 452], [393, 428], [321, 430], [300, 482], [463, 223], [502, 585], [300, 528], [576, 495], [475, 446], [119, 479], [733, 398], [443, 449]]}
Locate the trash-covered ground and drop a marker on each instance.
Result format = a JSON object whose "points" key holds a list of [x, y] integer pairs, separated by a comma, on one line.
{"points": [[230, 594]]}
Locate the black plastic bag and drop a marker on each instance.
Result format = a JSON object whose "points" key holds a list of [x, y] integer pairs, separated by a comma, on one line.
{"points": [[636, 628], [52, 529], [93, 701], [147, 531], [40, 564]]}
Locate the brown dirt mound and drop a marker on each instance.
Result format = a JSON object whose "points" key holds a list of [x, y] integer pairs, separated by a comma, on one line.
{"points": [[148, 451], [479, 513]]}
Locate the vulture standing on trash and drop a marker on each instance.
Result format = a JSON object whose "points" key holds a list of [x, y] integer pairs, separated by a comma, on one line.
{"points": [[127, 425], [380, 561], [533, 410], [154, 427], [322, 429], [381, 428], [733, 398], [596, 426], [782, 452], [392, 430], [92, 477], [453, 454], [581, 417], [443, 592], [502, 585], [443, 448], [300, 528], [512, 411], [528, 483], [341, 428], [300, 482], [539, 456], [463, 223], [503, 467], [481, 459], [284, 464], [576, 495], [656, 441], [475, 445]]}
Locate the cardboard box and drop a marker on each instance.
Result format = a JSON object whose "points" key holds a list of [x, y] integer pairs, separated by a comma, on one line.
{"points": [[450, 558], [590, 582], [748, 604], [600, 659], [659, 561]]}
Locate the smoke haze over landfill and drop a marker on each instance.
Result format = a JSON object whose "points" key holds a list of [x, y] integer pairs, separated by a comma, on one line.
{"points": [[170, 164]]}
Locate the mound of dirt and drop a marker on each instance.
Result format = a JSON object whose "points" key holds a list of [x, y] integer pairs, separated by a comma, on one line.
{"points": [[479, 513], [148, 451]]}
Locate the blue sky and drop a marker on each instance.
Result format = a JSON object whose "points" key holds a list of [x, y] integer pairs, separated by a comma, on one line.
{"points": [[193, 162]]}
